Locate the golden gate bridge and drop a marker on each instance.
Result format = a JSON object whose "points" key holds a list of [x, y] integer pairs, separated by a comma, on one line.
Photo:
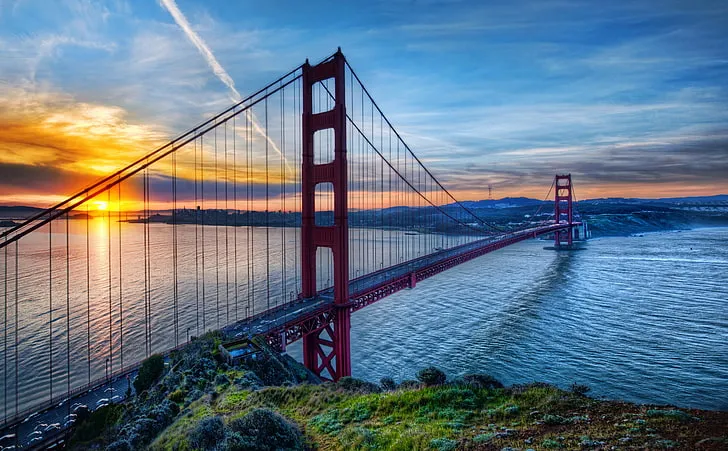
{"points": [[280, 217]]}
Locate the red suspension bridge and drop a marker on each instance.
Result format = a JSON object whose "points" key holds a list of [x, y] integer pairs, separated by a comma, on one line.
{"points": [[280, 217]]}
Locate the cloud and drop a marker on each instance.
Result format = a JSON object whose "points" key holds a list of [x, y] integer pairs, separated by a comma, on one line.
{"points": [[204, 50], [70, 142], [219, 71]]}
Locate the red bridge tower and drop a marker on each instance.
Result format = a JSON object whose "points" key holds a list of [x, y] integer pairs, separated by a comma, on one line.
{"points": [[326, 351], [562, 206]]}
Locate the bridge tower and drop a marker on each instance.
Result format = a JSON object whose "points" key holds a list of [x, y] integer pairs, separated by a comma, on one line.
{"points": [[562, 206], [326, 351]]}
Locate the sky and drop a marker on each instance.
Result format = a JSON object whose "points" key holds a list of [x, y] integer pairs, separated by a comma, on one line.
{"points": [[628, 96]]}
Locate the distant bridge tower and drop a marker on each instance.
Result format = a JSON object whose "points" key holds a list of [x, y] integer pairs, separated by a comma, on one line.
{"points": [[326, 351], [562, 206]]}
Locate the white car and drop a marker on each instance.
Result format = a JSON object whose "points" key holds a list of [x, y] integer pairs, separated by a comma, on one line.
{"points": [[53, 427], [34, 414]]}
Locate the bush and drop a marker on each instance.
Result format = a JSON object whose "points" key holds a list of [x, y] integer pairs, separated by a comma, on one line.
{"points": [[221, 379], [178, 396], [388, 383], [144, 431], [551, 444], [263, 430], [149, 372], [674, 414], [431, 376], [481, 381], [208, 432], [98, 423], [443, 444], [119, 445], [409, 385], [351, 384], [579, 389], [554, 419]]}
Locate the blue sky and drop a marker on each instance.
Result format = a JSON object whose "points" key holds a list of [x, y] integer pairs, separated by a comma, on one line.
{"points": [[630, 97]]}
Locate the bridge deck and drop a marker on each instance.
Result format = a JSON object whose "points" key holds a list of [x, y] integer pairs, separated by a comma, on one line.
{"points": [[297, 318]]}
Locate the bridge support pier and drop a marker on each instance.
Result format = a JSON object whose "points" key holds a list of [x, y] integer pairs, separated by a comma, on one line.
{"points": [[326, 350]]}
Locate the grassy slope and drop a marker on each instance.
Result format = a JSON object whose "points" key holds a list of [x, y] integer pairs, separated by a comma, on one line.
{"points": [[359, 415], [455, 417]]}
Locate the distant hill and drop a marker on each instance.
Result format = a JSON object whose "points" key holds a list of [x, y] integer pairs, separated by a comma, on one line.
{"points": [[719, 198], [19, 211], [506, 202], [511, 202]]}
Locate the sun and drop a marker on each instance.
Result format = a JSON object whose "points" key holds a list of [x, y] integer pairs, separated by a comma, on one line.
{"points": [[101, 205]]}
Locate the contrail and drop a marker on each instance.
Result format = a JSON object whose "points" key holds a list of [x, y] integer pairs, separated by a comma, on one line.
{"points": [[220, 72]]}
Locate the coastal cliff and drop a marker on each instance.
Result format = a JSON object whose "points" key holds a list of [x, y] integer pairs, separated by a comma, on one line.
{"points": [[268, 403]]}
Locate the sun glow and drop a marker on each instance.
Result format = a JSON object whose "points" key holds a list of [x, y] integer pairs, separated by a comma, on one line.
{"points": [[101, 205]]}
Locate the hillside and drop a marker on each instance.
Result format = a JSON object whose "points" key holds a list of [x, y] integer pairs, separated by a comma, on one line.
{"points": [[202, 403]]}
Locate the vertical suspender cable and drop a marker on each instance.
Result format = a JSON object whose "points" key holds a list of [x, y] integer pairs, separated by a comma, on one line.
{"points": [[225, 224], [197, 253], [5, 332], [217, 243], [282, 222], [50, 311], [202, 230], [237, 213], [108, 264], [88, 296], [121, 294], [68, 314], [267, 208], [17, 299], [174, 250]]}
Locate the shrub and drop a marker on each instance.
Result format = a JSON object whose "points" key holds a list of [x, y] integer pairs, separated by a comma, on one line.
{"points": [[579, 389], [144, 431], [409, 385], [674, 414], [551, 443], [208, 432], [481, 381], [388, 383], [554, 419], [178, 396], [149, 372], [351, 384], [221, 379], [120, 445], [484, 438], [263, 429], [327, 422], [431, 376], [443, 444], [165, 412], [98, 423]]}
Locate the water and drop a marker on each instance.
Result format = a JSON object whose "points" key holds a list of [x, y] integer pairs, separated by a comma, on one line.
{"points": [[87, 283], [644, 319]]}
